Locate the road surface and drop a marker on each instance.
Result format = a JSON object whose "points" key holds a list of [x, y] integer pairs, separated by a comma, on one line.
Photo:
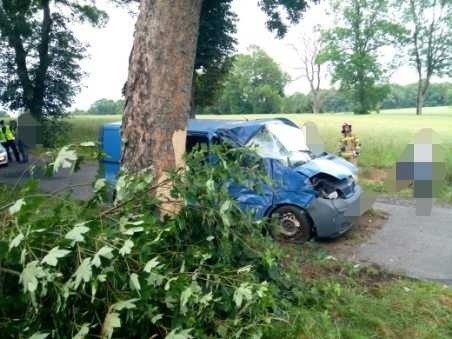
{"points": [[416, 246], [79, 184]]}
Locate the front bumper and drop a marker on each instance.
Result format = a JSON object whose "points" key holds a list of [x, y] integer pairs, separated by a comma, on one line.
{"points": [[333, 218]]}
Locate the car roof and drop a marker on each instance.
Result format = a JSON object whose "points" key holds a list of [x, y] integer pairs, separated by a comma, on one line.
{"points": [[241, 130]]}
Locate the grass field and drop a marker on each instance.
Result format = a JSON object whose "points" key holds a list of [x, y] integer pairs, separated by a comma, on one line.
{"points": [[384, 136]]}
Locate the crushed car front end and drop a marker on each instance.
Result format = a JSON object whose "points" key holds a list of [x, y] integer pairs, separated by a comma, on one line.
{"points": [[336, 209]]}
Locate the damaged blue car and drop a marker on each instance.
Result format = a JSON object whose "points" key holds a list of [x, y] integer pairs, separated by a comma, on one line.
{"points": [[311, 194]]}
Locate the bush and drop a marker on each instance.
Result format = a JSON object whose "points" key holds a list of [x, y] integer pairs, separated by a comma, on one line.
{"points": [[81, 269], [54, 132]]}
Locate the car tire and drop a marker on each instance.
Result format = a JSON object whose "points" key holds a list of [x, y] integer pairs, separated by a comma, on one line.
{"points": [[291, 224]]}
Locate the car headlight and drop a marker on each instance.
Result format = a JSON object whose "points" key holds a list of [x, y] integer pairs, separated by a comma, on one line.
{"points": [[331, 196]]}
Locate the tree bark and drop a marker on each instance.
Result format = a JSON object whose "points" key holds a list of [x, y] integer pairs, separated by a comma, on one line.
{"points": [[419, 99], [159, 86], [44, 61]]}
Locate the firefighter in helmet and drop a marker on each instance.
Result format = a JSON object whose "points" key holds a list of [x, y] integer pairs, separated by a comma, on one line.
{"points": [[350, 145]]}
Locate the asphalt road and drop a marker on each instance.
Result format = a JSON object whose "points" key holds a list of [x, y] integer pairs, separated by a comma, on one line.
{"points": [[78, 184], [419, 247], [415, 246]]}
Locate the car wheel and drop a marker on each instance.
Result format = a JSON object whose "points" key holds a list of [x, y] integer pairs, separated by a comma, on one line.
{"points": [[291, 224]]}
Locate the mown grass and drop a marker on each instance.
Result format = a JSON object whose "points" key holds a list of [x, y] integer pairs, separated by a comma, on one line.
{"points": [[383, 136], [344, 300]]}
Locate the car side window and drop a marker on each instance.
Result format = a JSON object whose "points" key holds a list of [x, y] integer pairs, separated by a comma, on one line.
{"points": [[197, 142]]}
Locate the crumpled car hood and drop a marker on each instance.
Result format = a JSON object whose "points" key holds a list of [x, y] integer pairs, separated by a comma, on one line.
{"points": [[328, 164]]}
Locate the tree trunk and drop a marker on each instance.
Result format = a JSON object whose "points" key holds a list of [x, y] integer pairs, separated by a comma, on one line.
{"points": [[159, 86], [419, 99], [316, 104], [422, 88]]}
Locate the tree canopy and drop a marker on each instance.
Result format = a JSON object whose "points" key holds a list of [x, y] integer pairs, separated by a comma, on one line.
{"points": [[429, 27], [106, 106], [353, 47], [255, 84], [40, 54]]}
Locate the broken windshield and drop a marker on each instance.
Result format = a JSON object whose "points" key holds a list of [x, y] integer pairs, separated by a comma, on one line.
{"points": [[282, 142]]}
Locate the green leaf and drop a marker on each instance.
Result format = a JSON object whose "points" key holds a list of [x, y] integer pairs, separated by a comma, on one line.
{"points": [[126, 248], [29, 276], [206, 299], [17, 206], [84, 330], [193, 290], [225, 207], [184, 297], [262, 290], [155, 279], [111, 322], [210, 184], [121, 186], [168, 283], [54, 254], [66, 158], [179, 334], [76, 234], [156, 318], [243, 292], [133, 230], [125, 304], [134, 282], [244, 269], [88, 144], [105, 252], [100, 184], [39, 335], [83, 274], [151, 264], [16, 241]]}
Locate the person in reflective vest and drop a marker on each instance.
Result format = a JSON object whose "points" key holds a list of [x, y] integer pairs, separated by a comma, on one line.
{"points": [[350, 146], [8, 141]]}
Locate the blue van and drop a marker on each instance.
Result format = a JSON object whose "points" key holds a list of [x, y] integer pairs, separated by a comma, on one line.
{"points": [[311, 194]]}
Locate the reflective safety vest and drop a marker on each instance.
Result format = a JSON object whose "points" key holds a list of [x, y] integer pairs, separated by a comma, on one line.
{"points": [[2, 136], [8, 134], [350, 147]]}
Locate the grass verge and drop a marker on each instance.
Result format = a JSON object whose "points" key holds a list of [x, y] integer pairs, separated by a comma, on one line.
{"points": [[345, 300]]}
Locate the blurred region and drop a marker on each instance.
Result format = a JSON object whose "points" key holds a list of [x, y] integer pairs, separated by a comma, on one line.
{"points": [[421, 167]]}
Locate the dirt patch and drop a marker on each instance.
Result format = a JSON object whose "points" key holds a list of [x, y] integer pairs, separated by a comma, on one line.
{"points": [[374, 174], [370, 276], [369, 223]]}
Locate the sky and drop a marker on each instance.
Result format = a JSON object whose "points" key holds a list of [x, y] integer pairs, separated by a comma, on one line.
{"points": [[109, 49]]}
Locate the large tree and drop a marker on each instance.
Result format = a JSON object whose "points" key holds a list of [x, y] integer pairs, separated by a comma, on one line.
{"points": [[39, 54], [354, 46], [216, 44], [159, 86], [430, 24], [311, 69], [255, 84]]}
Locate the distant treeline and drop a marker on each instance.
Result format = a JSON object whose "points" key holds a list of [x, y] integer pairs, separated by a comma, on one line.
{"points": [[103, 107], [439, 94]]}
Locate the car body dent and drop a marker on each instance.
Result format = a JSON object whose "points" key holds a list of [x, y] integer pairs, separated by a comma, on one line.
{"points": [[290, 185]]}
